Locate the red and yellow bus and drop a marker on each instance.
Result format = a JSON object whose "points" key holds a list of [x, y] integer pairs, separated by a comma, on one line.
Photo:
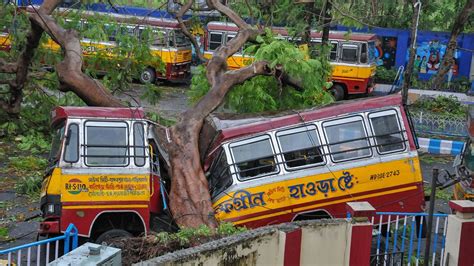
{"points": [[352, 56], [308, 164]]}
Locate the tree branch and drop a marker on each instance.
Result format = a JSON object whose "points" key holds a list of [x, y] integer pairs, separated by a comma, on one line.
{"points": [[184, 29], [70, 69], [7, 67], [229, 13]]}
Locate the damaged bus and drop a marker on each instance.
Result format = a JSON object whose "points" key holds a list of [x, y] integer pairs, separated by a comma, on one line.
{"points": [[308, 164], [108, 174]]}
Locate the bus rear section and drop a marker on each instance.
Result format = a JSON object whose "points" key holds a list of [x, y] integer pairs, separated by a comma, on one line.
{"points": [[103, 175], [310, 164]]}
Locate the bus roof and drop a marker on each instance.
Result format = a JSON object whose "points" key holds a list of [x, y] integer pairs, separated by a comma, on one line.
{"points": [[222, 127], [128, 19], [334, 35], [61, 113]]}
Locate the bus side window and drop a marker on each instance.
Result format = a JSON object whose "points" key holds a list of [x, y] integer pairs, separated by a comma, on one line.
{"points": [[363, 53], [255, 158], [71, 152], [300, 147], [215, 40], [139, 143], [315, 48], [158, 38], [347, 139], [219, 175], [387, 133], [171, 41], [333, 53], [349, 53]]}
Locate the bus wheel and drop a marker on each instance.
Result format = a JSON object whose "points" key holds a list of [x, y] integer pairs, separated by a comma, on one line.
{"points": [[338, 92], [148, 76], [112, 234]]}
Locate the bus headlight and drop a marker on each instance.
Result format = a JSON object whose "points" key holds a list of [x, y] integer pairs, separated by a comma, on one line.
{"points": [[50, 208]]}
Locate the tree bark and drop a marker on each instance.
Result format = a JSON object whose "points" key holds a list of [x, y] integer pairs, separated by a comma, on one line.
{"points": [[69, 71], [326, 23], [190, 200], [13, 106], [411, 60], [448, 58]]}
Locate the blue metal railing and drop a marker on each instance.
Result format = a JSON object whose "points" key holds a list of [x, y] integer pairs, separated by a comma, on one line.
{"points": [[71, 232], [394, 235]]}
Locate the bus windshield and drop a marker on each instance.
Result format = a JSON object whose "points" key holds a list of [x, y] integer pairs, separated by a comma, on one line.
{"points": [[58, 136]]}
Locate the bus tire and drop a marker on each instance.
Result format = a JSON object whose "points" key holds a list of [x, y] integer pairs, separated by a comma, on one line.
{"points": [[109, 235], [338, 92], [148, 76]]}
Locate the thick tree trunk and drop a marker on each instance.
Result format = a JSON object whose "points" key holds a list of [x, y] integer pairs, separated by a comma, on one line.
{"points": [[411, 60], [448, 58], [190, 200]]}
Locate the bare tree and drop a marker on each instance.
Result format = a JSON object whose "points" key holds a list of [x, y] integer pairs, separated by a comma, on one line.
{"points": [[190, 200]]}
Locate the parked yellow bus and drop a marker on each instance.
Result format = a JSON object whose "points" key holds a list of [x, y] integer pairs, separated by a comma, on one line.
{"points": [[168, 43], [352, 56]]}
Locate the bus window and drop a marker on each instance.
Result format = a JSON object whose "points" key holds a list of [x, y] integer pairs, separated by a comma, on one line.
{"points": [[315, 48], [71, 152], [363, 53], [139, 144], [347, 139], [180, 38], [127, 30], [333, 53], [159, 38], [229, 37], [219, 177], [106, 144], [387, 132], [255, 158], [371, 51], [300, 147], [110, 32], [349, 53], [56, 145], [215, 40]]}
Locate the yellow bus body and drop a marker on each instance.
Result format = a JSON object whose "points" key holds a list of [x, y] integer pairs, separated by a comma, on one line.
{"points": [[374, 180]]}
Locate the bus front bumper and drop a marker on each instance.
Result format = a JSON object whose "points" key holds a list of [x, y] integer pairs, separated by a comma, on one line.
{"points": [[49, 227]]}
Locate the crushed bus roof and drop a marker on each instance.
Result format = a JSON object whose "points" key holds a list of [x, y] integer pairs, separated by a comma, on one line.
{"points": [[63, 112], [222, 127]]}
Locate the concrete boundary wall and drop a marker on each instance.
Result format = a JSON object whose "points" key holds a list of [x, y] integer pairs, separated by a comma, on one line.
{"points": [[317, 242]]}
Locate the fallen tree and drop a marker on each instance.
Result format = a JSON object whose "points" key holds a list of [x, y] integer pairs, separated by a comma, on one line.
{"points": [[190, 200]]}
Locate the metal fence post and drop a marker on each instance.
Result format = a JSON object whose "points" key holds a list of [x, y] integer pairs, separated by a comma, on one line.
{"points": [[429, 226]]}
